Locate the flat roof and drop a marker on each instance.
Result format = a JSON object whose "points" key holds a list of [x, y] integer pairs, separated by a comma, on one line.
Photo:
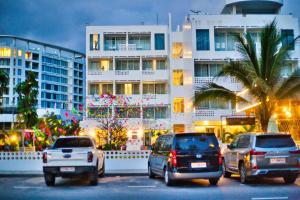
{"points": [[42, 43]]}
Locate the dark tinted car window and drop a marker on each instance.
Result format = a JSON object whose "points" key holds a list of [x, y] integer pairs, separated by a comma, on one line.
{"points": [[244, 141], [72, 143], [274, 141], [196, 142]]}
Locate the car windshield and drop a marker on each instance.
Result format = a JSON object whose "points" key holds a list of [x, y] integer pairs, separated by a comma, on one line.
{"points": [[196, 142], [274, 141], [72, 143]]}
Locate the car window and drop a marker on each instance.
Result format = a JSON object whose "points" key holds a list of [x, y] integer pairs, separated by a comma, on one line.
{"points": [[235, 142], [167, 143], [72, 143], [244, 141], [196, 142], [274, 141], [158, 144]]}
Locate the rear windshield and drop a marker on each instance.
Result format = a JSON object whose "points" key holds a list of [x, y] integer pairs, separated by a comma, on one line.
{"points": [[196, 142], [274, 141], [72, 143]]}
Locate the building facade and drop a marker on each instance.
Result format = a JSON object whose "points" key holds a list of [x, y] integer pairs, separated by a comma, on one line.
{"points": [[60, 75], [158, 70]]}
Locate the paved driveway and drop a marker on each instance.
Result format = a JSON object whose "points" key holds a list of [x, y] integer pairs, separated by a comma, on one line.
{"points": [[140, 187]]}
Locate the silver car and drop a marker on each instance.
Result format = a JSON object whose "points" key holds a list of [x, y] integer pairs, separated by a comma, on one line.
{"points": [[270, 155]]}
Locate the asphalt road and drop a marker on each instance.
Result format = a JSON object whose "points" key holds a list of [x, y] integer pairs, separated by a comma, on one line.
{"points": [[140, 187]]}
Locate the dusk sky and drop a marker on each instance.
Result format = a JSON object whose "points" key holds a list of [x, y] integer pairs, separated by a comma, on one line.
{"points": [[62, 22]]}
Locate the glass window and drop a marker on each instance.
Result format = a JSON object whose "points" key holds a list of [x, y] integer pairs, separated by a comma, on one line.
{"points": [[288, 38], [147, 65], [161, 65], [196, 142], [201, 70], [160, 88], [148, 88], [94, 41], [202, 40], [244, 141], [148, 113], [5, 52], [274, 141], [177, 77], [159, 41], [139, 42], [178, 105], [178, 128], [72, 143], [214, 69], [106, 65], [177, 50], [160, 112], [94, 89], [106, 88]]}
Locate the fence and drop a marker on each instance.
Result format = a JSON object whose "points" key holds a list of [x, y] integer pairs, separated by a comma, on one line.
{"points": [[115, 162]]}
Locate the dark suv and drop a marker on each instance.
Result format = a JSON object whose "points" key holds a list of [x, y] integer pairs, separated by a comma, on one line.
{"points": [[186, 156], [254, 155]]}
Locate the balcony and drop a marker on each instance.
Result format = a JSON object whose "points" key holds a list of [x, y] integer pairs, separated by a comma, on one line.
{"points": [[211, 114], [227, 82], [155, 75], [156, 99]]}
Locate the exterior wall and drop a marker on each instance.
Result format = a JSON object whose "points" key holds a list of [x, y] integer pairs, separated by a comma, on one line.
{"points": [[57, 70], [126, 51]]}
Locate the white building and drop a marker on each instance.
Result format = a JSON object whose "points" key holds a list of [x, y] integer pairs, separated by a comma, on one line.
{"points": [[124, 60], [60, 75]]}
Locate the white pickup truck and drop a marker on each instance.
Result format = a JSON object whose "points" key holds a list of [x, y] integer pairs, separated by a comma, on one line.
{"points": [[73, 156]]}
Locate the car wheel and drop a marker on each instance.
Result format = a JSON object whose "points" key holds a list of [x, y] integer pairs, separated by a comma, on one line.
{"points": [[94, 177], [49, 179], [168, 181], [213, 181], [150, 173], [226, 174], [102, 171], [289, 179], [243, 174]]}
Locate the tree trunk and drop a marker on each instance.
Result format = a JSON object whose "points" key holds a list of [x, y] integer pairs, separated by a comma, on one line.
{"points": [[264, 114]]}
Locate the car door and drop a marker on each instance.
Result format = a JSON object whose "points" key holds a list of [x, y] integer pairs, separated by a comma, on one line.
{"points": [[241, 149], [161, 154], [154, 155], [231, 154]]}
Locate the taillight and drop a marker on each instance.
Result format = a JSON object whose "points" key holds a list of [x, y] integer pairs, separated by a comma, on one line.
{"points": [[256, 153], [295, 151], [44, 157], [90, 157], [172, 158], [220, 158]]}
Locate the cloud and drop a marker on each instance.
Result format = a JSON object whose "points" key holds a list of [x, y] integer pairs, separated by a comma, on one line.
{"points": [[62, 22]]}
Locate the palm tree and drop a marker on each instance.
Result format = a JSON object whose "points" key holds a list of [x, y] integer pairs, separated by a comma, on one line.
{"points": [[4, 81], [259, 73]]}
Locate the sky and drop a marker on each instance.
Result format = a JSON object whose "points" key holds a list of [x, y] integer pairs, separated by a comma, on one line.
{"points": [[62, 22]]}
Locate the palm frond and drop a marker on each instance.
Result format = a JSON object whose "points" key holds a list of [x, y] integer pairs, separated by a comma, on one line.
{"points": [[289, 87], [214, 91]]}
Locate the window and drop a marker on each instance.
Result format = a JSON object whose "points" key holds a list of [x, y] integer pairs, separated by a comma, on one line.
{"points": [[127, 88], [147, 65], [177, 77], [5, 52], [188, 142], [201, 70], [106, 88], [286, 70], [4, 61], [178, 105], [114, 42], [177, 51], [20, 53], [148, 113], [225, 41], [127, 64], [94, 89], [94, 41], [244, 141], [159, 41], [139, 41], [148, 88], [279, 141], [105, 65], [288, 38], [161, 112], [202, 40], [161, 65], [160, 88], [207, 70]]}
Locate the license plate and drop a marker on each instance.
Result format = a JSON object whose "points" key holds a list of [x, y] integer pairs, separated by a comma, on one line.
{"points": [[199, 165], [277, 160], [67, 169]]}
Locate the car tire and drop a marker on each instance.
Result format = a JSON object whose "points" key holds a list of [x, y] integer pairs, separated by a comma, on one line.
{"points": [[243, 174], [150, 173], [289, 179], [49, 179], [167, 179], [213, 181], [94, 177], [102, 170], [226, 174]]}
